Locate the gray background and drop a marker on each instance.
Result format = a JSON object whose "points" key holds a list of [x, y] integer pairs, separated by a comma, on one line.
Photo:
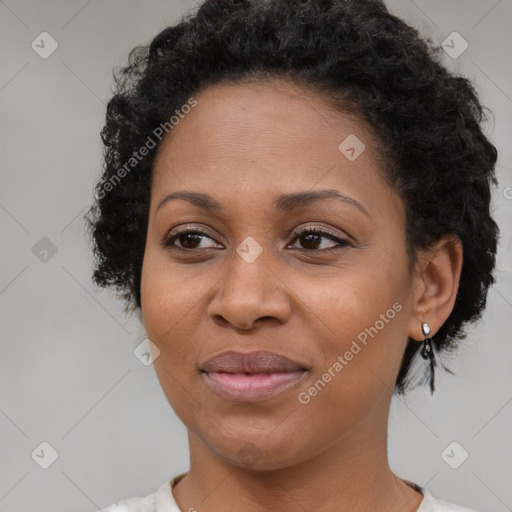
{"points": [[68, 375]]}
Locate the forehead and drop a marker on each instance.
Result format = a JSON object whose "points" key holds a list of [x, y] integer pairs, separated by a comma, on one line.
{"points": [[260, 137]]}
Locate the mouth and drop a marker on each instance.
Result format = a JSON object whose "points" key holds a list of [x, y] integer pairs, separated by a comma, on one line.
{"points": [[251, 387], [251, 377]]}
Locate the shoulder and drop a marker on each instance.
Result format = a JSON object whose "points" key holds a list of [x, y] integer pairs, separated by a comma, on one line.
{"points": [[432, 504], [137, 504], [162, 500]]}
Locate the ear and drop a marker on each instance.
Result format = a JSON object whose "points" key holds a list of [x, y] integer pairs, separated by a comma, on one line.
{"points": [[435, 286]]}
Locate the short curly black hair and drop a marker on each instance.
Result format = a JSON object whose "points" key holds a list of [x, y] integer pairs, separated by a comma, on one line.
{"points": [[370, 62]]}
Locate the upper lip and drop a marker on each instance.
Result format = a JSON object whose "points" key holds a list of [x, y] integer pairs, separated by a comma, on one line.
{"points": [[251, 362]]}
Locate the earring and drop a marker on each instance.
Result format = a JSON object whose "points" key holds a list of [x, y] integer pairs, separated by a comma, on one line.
{"points": [[427, 352]]}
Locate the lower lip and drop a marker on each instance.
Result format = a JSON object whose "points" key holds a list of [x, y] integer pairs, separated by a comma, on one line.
{"points": [[241, 387]]}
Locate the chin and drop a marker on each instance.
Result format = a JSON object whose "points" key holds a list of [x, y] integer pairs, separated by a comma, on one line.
{"points": [[261, 450]]}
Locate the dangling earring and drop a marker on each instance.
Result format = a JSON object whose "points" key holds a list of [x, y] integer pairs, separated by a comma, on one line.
{"points": [[427, 352]]}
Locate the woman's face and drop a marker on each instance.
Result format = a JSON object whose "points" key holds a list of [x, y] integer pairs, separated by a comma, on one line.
{"points": [[338, 302]]}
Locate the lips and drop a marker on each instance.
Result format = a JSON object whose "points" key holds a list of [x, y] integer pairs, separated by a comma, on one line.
{"points": [[260, 361], [251, 377]]}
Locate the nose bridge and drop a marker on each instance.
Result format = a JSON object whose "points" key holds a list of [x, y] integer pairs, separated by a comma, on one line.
{"points": [[250, 267], [251, 276], [250, 289]]}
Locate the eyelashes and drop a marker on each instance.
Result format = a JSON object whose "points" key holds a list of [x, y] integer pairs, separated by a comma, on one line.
{"points": [[313, 233], [319, 233], [169, 240]]}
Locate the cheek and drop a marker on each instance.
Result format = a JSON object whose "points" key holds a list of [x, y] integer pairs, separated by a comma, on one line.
{"points": [[362, 332], [166, 297], [361, 355], [170, 308], [173, 309]]}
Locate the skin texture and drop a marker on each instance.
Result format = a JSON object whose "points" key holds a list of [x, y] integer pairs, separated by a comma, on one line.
{"points": [[244, 144]]}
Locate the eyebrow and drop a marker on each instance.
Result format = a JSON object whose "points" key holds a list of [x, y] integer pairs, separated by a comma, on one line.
{"points": [[283, 203]]}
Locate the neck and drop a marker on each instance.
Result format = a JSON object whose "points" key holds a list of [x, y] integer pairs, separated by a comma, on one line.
{"points": [[351, 474]]}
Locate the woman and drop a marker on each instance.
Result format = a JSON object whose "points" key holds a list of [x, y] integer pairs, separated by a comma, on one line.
{"points": [[296, 198]]}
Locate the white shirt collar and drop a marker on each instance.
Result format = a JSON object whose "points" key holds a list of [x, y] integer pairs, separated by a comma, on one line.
{"points": [[165, 501]]}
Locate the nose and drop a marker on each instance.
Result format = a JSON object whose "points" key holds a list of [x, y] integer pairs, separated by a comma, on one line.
{"points": [[251, 294]]}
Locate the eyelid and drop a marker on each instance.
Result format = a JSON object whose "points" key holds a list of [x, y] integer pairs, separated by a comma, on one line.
{"points": [[173, 234], [322, 231]]}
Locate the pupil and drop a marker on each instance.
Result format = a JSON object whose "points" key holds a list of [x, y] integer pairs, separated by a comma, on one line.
{"points": [[309, 238], [189, 236]]}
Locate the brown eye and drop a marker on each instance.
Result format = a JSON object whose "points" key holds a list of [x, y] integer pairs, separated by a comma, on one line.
{"points": [[311, 237], [187, 238]]}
